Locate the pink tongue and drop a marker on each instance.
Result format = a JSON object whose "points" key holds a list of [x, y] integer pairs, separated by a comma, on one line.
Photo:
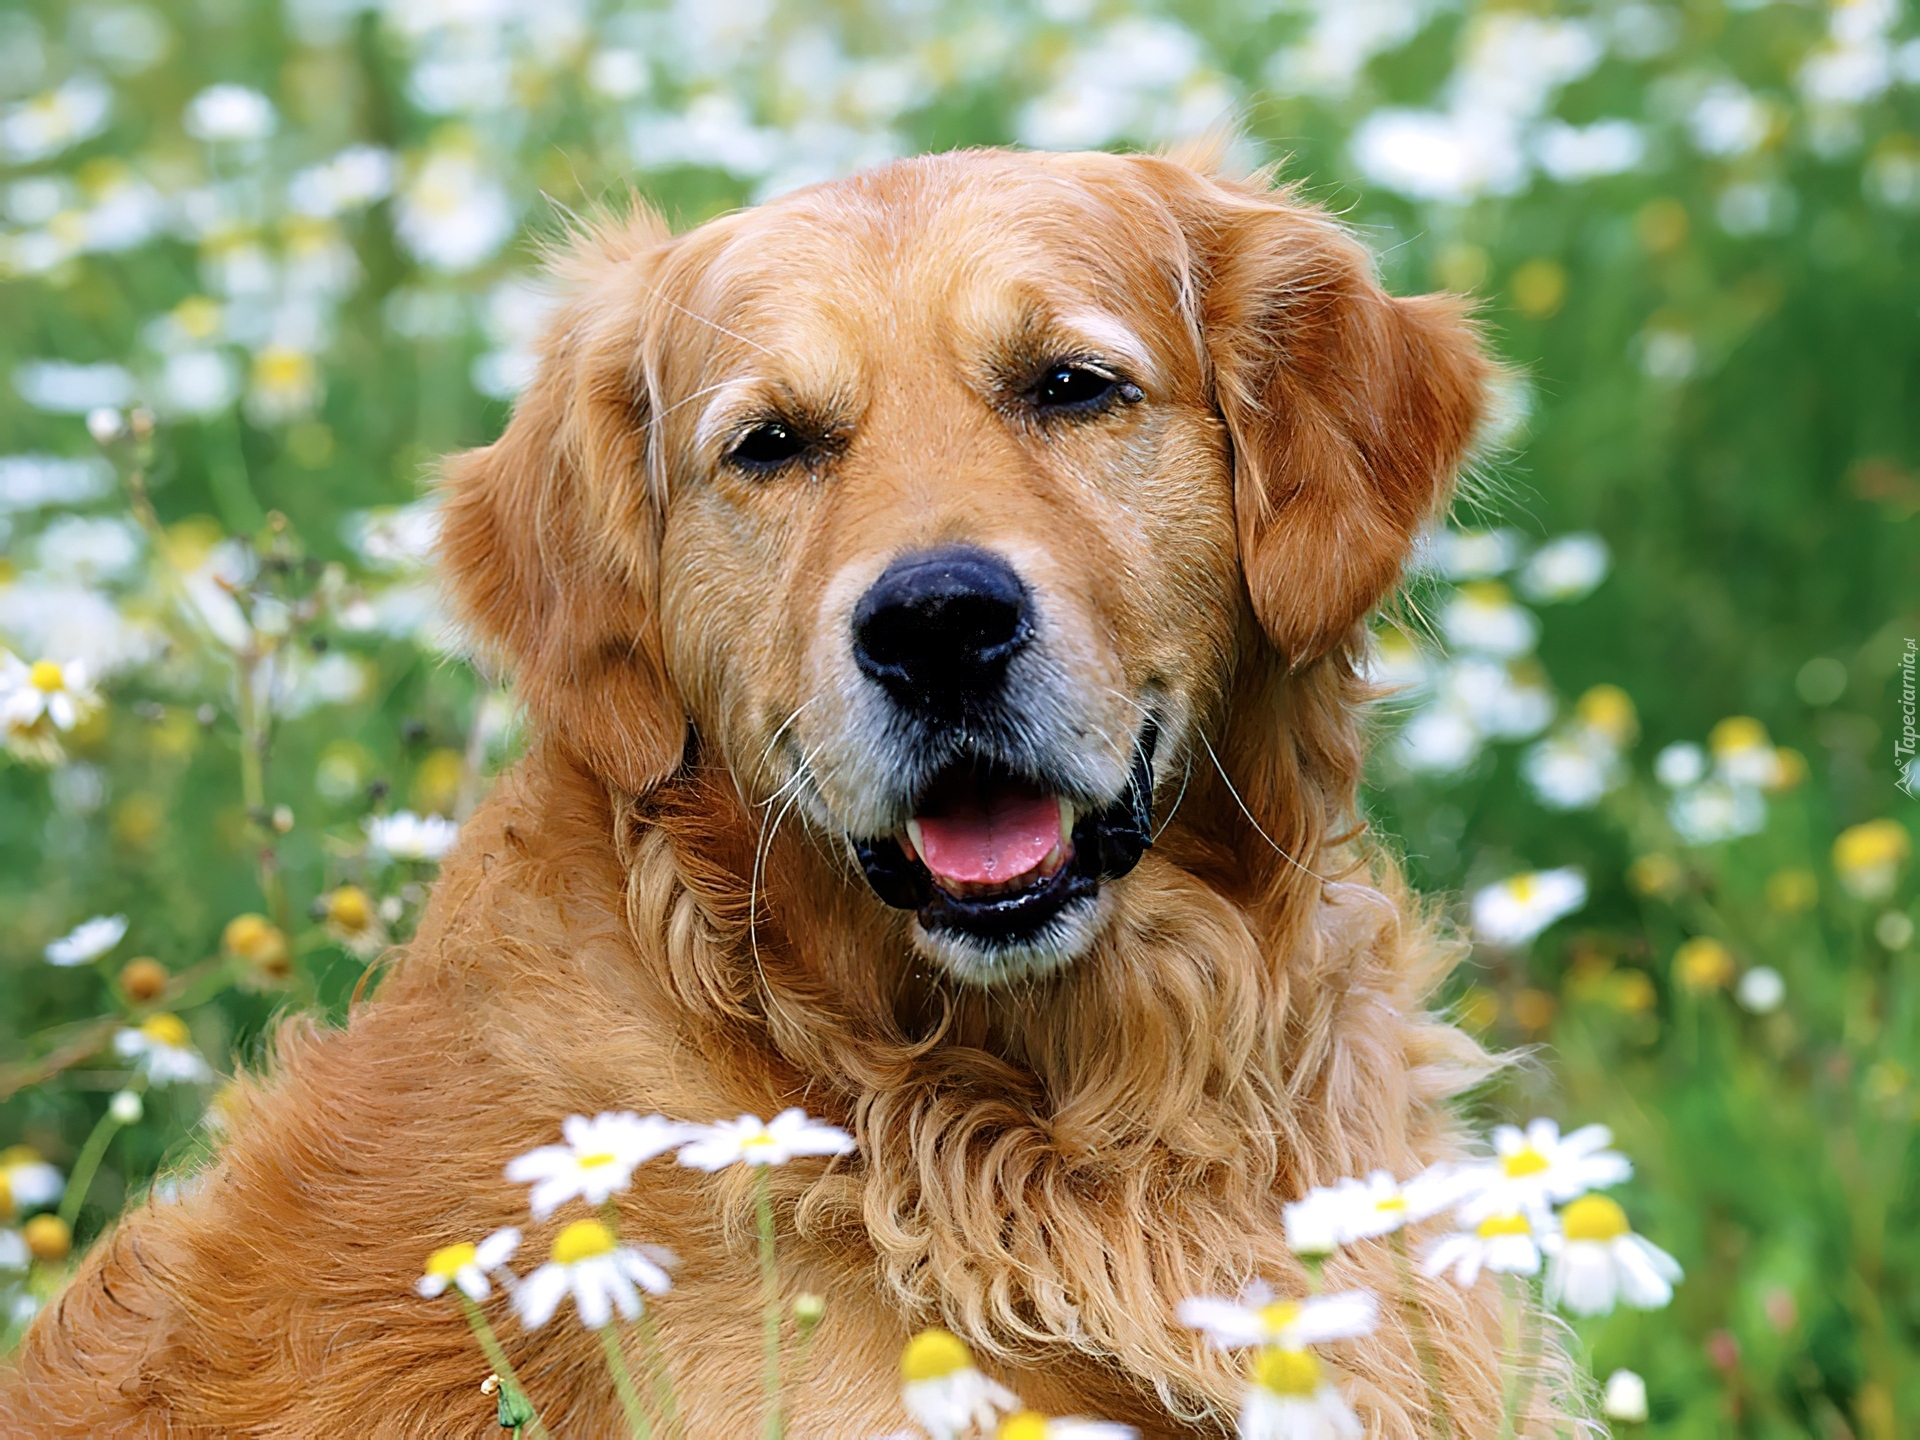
{"points": [[991, 844]]}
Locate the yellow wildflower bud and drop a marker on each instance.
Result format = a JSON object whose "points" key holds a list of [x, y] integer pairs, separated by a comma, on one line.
{"points": [[349, 908], [1703, 963], [1791, 891], [260, 945], [1655, 874], [1609, 709], [808, 1310], [1868, 857], [143, 979], [48, 1238]]}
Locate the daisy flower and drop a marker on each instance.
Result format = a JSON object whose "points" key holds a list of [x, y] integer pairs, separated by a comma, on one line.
{"points": [[1353, 1210], [14, 1254], [944, 1392], [1597, 1260], [466, 1265], [46, 689], [26, 1180], [404, 835], [749, 1141], [1258, 1318], [1538, 1167], [598, 1158], [1032, 1425], [1504, 1244], [600, 1273], [88, 940], [161, 1050], [1512, 912], [1290, 1398]]}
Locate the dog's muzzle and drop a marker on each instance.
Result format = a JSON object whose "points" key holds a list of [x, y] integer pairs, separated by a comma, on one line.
{"points": [[945, 834]]}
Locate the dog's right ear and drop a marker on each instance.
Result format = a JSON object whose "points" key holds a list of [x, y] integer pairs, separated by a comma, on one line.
{"points": [[550, 536]]}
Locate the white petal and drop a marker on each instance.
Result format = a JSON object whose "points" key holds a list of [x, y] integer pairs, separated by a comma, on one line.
{"points": [[539, 1295], [1644, 1281], [547, 1161], [713, 1150], [590, 1294], [1223, 1322], [494, 1251], [1582, 1279], [1587, 1139], [431, 1285], [472, 1282], [549, 1195], [1332, 1317], [638, 1268]]}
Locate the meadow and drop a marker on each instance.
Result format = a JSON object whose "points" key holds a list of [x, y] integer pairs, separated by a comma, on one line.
{"points": [[1652, 718]]}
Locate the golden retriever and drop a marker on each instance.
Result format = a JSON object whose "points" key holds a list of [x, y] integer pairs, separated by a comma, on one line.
{"points": [[939, 596]]}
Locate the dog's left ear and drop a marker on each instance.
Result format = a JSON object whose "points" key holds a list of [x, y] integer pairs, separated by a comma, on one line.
{"points": [[1349, 410], [550, 536]]}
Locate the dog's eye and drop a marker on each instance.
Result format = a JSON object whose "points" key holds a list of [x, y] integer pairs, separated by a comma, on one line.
{"points": [[767, 447], [1080, 387]]}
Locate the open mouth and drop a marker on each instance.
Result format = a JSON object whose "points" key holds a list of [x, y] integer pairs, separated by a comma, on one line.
{"points": [[998, 856]]}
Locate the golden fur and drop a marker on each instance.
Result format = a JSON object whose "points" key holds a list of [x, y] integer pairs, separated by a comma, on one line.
{"points": [[1046, 1166]]}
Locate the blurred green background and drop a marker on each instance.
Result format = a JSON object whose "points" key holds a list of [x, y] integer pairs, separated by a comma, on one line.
{"points": [[259, 265]]}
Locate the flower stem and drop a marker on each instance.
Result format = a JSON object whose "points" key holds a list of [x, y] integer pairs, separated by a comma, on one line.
{"points": [[1422, 1341], [623, 1383], [88, 1161], [662, 1380], [497, 1358], [1524, 1338], [769, 1299]]}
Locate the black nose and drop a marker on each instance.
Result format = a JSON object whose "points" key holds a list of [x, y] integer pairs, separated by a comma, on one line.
{"points": [[940, 626]]}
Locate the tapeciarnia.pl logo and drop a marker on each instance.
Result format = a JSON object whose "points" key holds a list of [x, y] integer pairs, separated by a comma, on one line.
{"points": [[1903, 743]]}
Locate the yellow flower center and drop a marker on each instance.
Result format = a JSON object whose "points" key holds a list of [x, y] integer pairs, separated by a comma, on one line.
{"points": [[165, 1029], [1392, 1205], [280, 368], [1523, 1162], [582, 1240], [934, 1355], [450, 1260], [1608, 709], [1877, 842], [755, 1144], [1521, 887], [1703, 963], [6, 1195], [1286, 1372], [1737, 733], [1277, 1315], [1027, 1425], [1489, 594], [350, 909], [1498, 1225], [48, 676], [597, 1159], [197, 316], [1594, 1217]]}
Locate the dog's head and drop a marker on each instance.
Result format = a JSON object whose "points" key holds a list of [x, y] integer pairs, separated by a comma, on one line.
{"points": [[942, 503]]}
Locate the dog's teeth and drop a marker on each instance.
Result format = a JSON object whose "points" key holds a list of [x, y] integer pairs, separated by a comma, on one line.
{"points": [[1066, 821], [912, 847]]}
